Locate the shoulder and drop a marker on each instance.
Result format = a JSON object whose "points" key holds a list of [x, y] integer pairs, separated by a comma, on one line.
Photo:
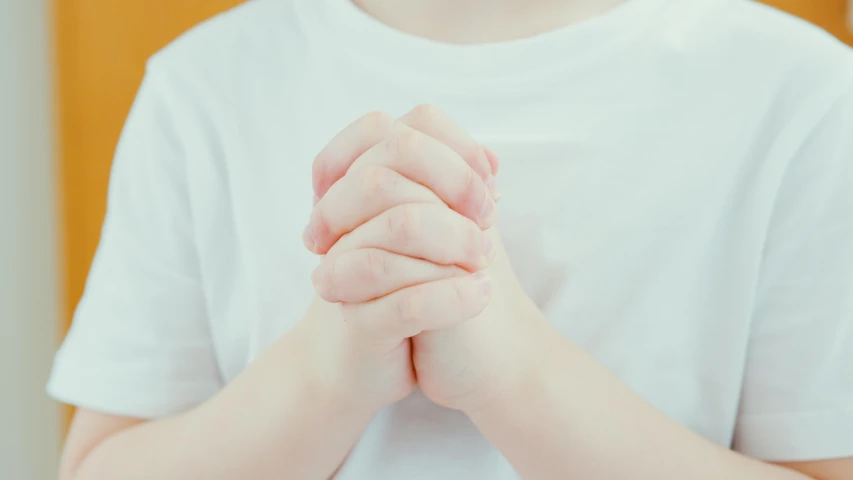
{"points": [[755, 28], [786, 42], [256, 40], [775, 76], [763, 50], [772, 27], [812, 71]]}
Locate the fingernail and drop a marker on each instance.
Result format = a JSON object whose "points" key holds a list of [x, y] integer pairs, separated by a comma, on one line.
{"points": [[492, 160], [492, 185], [309, 240], [487, 211]]}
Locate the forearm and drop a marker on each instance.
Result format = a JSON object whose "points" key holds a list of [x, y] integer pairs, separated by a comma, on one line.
{"points": [[575, 419], [268, 424]]}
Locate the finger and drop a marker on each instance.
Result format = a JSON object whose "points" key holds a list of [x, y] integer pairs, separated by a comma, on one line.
{"points": [[427, 161], [358, 276], [431, 121], [358, 137], [333, 161], [492, 157], [425, 231], [429, 306], [355, 199]]}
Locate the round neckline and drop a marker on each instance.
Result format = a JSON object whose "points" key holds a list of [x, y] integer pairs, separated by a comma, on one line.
{"points": [[429, 64]]}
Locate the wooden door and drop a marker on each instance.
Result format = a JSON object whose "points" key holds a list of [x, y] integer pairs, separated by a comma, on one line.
{"points": [[101, 49]]}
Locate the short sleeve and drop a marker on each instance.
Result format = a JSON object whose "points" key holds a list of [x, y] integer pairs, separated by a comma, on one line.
{"points": [[797, 398], [140, 344]]}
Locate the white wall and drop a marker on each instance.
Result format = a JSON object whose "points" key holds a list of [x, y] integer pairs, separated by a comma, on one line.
{"points": [[28, 246]]}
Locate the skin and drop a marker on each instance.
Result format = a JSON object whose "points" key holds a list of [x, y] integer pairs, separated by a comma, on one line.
{"points": [[305, 402], [550, 408], [475, 21], [413, 278]]}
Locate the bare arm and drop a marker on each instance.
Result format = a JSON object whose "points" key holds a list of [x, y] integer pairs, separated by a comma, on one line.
{"points": [[255, 428], [574, 419], [299, 409]]}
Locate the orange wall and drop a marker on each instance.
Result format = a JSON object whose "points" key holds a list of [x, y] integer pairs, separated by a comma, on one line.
{"points": [[101, 50], [829, 14]]}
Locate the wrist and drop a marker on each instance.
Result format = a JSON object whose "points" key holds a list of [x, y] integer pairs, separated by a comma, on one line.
{"points": [[525, 371], [329, 375]]}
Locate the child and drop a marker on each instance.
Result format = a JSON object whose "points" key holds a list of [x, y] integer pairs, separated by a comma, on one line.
{"points": [[676, 199]]}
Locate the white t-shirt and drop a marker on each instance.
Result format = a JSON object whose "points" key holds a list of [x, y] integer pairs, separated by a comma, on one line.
{"points": [[677, 184]]}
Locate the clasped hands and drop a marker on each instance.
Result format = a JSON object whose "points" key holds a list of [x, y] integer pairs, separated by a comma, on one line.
{"points": [[414, 287]]}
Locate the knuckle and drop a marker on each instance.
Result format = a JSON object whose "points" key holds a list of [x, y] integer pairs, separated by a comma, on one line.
{"points": [[371, 179], [404, 225], [425, 114], [377, 121], [375, 265], [402, 146], [380, 181]]}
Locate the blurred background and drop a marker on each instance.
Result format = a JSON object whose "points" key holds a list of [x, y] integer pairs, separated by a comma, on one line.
{"points": [[69, 70]]}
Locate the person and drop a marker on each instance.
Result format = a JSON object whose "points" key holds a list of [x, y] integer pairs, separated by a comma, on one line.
{"points": [[591, 239]]}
